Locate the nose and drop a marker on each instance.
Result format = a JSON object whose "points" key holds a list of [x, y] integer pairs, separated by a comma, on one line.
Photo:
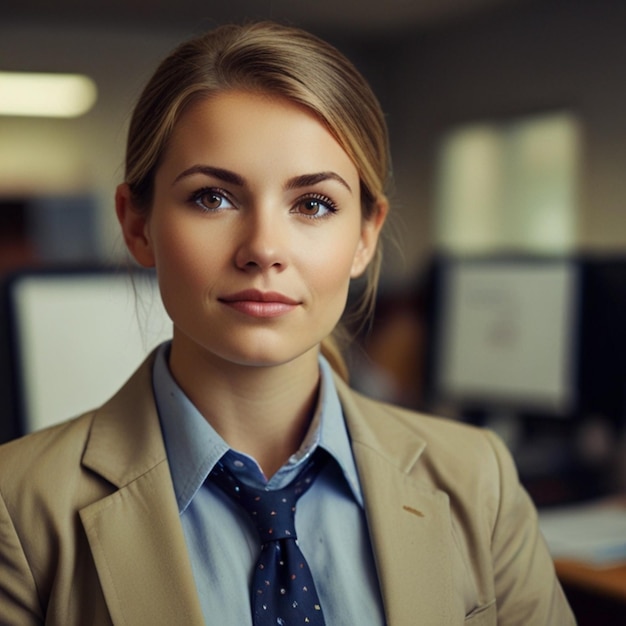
{"points": [[262, 242]]}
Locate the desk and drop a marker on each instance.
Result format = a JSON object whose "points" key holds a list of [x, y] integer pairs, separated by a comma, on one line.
{"points": [[610, 581], [597, 596], [596, 591]]}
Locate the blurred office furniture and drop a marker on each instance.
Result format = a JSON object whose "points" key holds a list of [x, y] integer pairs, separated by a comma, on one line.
{"points": [[535, 348], [588, 542], [50, 230], [597, 595], [591, 533], [69, 339]]}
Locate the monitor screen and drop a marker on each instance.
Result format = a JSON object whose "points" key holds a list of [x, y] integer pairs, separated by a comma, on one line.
{"points": [[507, 334], [76, 337]]}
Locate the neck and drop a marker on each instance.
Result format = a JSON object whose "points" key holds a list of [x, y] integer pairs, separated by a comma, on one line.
{"points": [[263, 411]]}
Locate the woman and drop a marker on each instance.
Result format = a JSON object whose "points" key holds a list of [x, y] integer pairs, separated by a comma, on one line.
{"points": [[256, 166]]}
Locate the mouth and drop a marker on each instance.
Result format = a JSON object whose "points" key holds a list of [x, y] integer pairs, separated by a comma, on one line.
{"points": [[262, 304]]}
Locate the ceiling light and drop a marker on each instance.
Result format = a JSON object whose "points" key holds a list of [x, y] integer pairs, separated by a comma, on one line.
{"points": [[46, 95]]}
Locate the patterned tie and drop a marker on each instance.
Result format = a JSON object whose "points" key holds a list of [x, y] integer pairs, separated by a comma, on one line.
{"points": [[283, 592]]}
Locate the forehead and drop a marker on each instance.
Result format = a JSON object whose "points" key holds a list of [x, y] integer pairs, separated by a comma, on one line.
{"points": [[241, 128]]}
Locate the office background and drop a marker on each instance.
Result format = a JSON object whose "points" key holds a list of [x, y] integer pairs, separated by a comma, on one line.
{"points": [[508, 139]]}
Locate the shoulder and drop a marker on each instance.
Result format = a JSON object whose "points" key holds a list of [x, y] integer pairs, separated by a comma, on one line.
{"points": [[44, 459], [43, 485], [493, 520], [468, 463], [61, 441], [442, 439], [48, 476], [453, 443]]}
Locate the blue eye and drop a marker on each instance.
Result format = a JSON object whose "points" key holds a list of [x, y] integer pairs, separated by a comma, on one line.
{"points": [[315, 207], [211, 200]]}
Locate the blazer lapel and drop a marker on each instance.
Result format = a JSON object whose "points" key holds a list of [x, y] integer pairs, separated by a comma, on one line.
{"points": [[138, 544], [410, 522], [135, 533]]}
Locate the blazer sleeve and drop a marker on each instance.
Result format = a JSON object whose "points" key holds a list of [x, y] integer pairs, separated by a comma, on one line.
{"points": [[527, 589], [19, 601]]}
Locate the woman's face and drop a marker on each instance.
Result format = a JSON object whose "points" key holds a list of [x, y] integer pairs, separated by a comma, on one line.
{"points": [[255, 230]]}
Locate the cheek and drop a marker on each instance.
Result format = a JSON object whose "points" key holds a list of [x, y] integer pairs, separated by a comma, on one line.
{"points": [[180, 268], [331, 275]]}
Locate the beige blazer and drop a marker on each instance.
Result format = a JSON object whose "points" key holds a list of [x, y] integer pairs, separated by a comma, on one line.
{"points": [[90, 532]]}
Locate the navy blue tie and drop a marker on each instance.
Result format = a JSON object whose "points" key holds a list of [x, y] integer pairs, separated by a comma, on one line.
{"points": [[283, 592]]}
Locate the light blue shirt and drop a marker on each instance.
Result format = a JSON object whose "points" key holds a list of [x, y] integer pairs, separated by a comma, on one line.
{"points": [[222, 541]]}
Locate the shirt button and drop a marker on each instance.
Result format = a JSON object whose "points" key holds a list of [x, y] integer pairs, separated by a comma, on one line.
{"points": [[239, 464]]}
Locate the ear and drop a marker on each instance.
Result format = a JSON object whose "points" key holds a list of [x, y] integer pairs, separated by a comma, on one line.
{"points": [[370, 232], [134, 225]]}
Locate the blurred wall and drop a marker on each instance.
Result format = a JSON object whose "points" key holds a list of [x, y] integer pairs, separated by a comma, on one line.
{"points": [[82, 156], [545, 55]]}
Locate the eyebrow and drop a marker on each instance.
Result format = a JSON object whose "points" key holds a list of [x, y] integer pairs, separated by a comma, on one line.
{"points": [[217, 172], [297, 182], [308, 180]]}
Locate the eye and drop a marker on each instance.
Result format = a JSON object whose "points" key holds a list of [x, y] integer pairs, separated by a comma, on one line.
{"points": [[210, 200], [315, 207]]}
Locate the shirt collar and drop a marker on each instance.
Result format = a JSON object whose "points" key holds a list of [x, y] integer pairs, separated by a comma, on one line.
{"points": [[194, 447]]}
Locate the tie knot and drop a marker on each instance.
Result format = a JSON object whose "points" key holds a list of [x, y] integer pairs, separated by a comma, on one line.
{"points": [[272, 511]]}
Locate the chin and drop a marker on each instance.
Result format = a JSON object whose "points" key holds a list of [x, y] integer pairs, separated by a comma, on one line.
{"points": [[271, 356]]}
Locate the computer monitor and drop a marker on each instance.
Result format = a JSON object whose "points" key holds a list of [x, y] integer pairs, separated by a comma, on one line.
{"points": [[71, 340], [506, 335]]}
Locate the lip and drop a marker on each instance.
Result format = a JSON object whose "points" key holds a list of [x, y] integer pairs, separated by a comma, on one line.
{"points": [[262, 304], [254, 295]]}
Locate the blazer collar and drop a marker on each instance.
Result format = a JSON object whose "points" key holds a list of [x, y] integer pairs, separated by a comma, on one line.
{"points": [[135, 533], [410, 522]]}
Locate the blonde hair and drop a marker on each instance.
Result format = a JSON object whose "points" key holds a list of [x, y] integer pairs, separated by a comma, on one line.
{"points": [[278, 60]]}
